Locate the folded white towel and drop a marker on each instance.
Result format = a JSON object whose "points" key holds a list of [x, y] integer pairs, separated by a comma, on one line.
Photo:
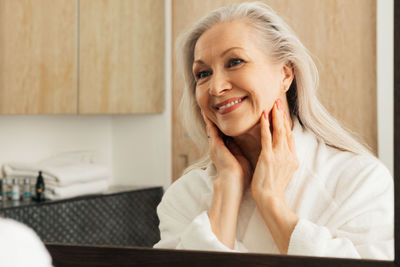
{"points": [[78, 189], [61, 170], [61, 175]]}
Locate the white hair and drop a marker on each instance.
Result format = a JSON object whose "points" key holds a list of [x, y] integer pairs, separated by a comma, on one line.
{"points": [[283, 45]]}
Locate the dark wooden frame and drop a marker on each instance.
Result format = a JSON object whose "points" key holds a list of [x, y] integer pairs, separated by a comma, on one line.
{"points": [[64, 255]]}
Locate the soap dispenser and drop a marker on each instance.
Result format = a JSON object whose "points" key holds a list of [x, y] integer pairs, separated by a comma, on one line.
{"points": [[39, 188]]}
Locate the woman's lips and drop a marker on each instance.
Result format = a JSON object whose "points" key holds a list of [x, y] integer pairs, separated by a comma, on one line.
{"points": [[229, 105]]}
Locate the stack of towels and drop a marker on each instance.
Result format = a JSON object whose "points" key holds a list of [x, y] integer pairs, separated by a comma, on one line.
{"points": [[66, 175]]}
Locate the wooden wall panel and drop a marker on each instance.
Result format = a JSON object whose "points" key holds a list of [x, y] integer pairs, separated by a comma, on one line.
{"points": [[121, 56], [38, 56], [341, 35]]}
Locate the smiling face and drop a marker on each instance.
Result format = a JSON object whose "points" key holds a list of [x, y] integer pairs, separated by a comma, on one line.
{"points": [[235, 80]]}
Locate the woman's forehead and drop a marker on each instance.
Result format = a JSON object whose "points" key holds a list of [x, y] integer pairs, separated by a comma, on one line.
{"points": [[223, 36]]}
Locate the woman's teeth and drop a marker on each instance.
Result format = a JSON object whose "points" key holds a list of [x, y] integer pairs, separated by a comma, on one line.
{"points": [[230, 104]]}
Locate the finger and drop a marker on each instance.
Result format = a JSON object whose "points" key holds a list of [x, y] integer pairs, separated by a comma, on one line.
{"points": [[206, 123], [290, 137], [277, 121], [210, 127], [266, 138], [214, 138], [286, 125]]}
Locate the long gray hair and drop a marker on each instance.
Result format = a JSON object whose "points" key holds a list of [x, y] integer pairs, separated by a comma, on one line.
{"points": [[284, 46]]}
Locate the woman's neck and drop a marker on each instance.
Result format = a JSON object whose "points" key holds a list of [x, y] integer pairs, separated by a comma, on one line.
{"points": [[250, 144]]}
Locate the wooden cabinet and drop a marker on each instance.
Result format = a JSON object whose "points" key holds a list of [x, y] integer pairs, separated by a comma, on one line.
{"points": [[121, 56], [85, 56], [38, 62]]}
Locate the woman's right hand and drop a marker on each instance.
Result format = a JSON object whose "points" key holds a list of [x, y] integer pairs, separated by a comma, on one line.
{"points": [[234, 175], [232, 166]]}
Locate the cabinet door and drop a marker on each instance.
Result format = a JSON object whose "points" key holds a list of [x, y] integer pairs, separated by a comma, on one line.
{"points": [[121, 56], [38, 57]]}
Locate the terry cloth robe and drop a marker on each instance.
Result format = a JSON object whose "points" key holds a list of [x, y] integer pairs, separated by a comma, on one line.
{"points": [[344, 203]]}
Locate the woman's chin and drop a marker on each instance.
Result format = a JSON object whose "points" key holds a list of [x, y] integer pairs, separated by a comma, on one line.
{"points": [[239, 129]]}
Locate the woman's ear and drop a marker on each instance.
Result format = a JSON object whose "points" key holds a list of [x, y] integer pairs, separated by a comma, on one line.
{"points": [[288, 76]]}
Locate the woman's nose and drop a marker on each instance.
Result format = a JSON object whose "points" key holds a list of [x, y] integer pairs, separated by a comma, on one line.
{"points": [[219, 84]]}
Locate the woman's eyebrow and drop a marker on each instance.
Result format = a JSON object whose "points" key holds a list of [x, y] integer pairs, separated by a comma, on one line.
{"points": [[229, 49], [200, 62]]}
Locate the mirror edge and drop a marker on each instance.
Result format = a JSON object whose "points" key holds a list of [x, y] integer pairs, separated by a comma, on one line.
{"points": [[72, 255], [396, 129], [109, 256]]}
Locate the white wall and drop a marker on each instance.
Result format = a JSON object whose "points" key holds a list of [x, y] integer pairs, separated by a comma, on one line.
{"points": [[30, 138], [385, 78], [142, 143], [140, 150]]}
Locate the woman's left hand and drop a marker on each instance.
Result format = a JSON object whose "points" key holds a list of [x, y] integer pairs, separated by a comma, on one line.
{"points": [[277, 161], [274, 170]]}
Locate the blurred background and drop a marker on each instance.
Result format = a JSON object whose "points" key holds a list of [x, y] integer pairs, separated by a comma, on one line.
{"points": [[100, 76]]}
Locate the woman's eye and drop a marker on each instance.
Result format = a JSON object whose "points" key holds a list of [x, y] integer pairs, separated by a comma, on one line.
{"points": [[202, 74], [235, 61]]}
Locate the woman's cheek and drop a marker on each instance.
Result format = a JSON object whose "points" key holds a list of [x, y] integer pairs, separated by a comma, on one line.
{"points": [[199, 98], [202, 102], [204, 105]]}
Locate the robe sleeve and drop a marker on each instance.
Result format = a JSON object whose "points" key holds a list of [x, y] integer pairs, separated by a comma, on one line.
{"points": [[184, 222], [362, 225]]}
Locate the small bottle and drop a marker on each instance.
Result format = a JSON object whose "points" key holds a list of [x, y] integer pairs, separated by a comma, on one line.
{"points": [[1, 189], [39, 188], [27, 189], [5, 189], [15, 190]]}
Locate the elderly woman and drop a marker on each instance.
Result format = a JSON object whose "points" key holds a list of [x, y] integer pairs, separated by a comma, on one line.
{"points": [[279, 175]]}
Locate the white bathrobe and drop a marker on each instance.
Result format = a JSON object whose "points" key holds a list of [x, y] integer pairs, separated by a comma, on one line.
{"points": [[344, 203]]}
